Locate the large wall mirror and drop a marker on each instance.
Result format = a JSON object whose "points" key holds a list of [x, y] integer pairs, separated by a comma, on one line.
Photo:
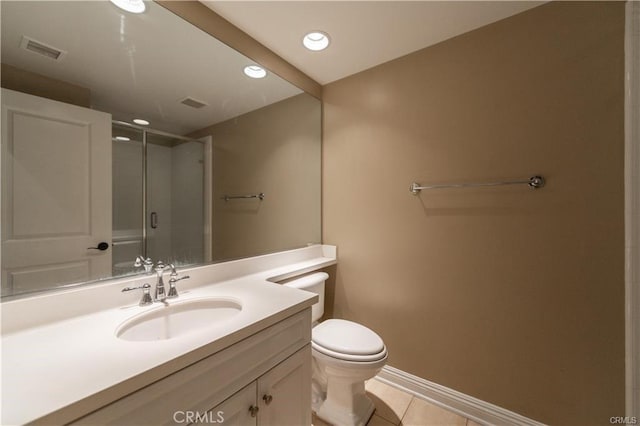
{"points": [[228, 166]]}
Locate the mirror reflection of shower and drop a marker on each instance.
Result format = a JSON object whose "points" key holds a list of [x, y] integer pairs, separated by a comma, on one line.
{"points": [[158, 198]]}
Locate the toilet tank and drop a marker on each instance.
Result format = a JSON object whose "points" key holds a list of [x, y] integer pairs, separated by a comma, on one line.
{"points": [[315, 284]]}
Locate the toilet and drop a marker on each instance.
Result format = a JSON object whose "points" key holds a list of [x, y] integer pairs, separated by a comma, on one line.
{"points": [[345, 354]]}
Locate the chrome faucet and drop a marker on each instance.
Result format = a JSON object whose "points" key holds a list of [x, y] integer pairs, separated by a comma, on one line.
{"points": [[160, 295]]}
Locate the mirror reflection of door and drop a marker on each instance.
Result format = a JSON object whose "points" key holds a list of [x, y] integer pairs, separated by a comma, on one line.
{"points": [[59, 156]]}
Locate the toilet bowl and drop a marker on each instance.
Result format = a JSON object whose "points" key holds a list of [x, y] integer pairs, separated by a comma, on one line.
{"points": [[345, 354]]}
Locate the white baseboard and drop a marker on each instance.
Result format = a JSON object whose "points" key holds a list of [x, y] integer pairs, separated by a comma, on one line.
{"points": [[472, 408]]}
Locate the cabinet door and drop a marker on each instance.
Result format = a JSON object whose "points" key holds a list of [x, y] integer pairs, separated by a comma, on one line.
{"points": [[284, 392], [236, 410]]}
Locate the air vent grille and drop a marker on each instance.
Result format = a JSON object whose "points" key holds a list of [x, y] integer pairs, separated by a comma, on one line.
{"points": [[193, 103], [43, 49]]}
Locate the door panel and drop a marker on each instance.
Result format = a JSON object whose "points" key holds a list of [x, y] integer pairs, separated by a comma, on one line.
{"points": [[34, 278], [56, 192]]}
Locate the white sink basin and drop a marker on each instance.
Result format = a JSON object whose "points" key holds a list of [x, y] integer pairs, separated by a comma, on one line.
{"points": [[178, 318]]}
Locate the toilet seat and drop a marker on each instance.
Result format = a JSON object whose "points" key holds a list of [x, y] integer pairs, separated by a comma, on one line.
{"points": [[347, 340], [347, 357]]}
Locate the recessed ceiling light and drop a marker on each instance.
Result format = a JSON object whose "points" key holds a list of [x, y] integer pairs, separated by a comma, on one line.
{"points": [[316, 40], [141, 122], [133, 6], [122, 138], [255, 71]]}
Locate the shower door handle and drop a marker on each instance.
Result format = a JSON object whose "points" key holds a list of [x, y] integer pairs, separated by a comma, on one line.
{"points": [[154, 220]]}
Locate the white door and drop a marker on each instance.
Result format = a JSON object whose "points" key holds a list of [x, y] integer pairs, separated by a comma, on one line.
{"points": [[56, 193]]}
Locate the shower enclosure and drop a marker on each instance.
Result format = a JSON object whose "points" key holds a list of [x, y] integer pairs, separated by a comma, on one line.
{"points": [[159, 199]]}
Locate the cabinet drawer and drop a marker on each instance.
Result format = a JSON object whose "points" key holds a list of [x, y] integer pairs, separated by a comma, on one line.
{"points": [[208, 382]]}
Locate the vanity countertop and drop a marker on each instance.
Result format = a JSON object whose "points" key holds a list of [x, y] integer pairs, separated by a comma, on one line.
{"points": [[59, 370]]}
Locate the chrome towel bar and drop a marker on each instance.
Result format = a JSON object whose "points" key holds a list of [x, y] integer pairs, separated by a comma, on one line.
{"points": [[233, 197], [534, 182]]}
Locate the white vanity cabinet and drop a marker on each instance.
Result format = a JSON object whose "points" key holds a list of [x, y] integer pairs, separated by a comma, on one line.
{"points": [[277, 398], [264, 379]]}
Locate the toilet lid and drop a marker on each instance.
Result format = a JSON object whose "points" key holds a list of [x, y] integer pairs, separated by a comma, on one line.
{"points": [[347, 337]]}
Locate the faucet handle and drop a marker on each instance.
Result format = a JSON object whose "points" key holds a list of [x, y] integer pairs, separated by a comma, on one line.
{"points": [[141, 261], [146, 295], [173, 291], [148, 264]]}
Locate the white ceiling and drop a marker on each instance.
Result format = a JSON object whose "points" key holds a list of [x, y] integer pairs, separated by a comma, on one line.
{"points": [[363, 33], [138, 65]]}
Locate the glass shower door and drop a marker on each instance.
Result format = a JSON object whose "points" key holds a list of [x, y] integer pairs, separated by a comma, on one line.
{"points": [[174, 200]]}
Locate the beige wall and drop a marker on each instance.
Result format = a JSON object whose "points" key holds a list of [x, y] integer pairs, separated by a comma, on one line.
{"points": [[275, 150], [39, 85], [507, 294]]}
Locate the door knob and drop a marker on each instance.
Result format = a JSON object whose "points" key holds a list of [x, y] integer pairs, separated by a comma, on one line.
{"points": [[253, 410], [101, 246], [267, 399]]}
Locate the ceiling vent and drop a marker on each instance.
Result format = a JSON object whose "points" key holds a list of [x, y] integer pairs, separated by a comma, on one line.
{"points": [[43, 49], [193, 103]]}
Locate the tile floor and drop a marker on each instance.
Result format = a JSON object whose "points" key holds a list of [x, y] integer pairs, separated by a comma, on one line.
{"points": [[397, 408]]}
